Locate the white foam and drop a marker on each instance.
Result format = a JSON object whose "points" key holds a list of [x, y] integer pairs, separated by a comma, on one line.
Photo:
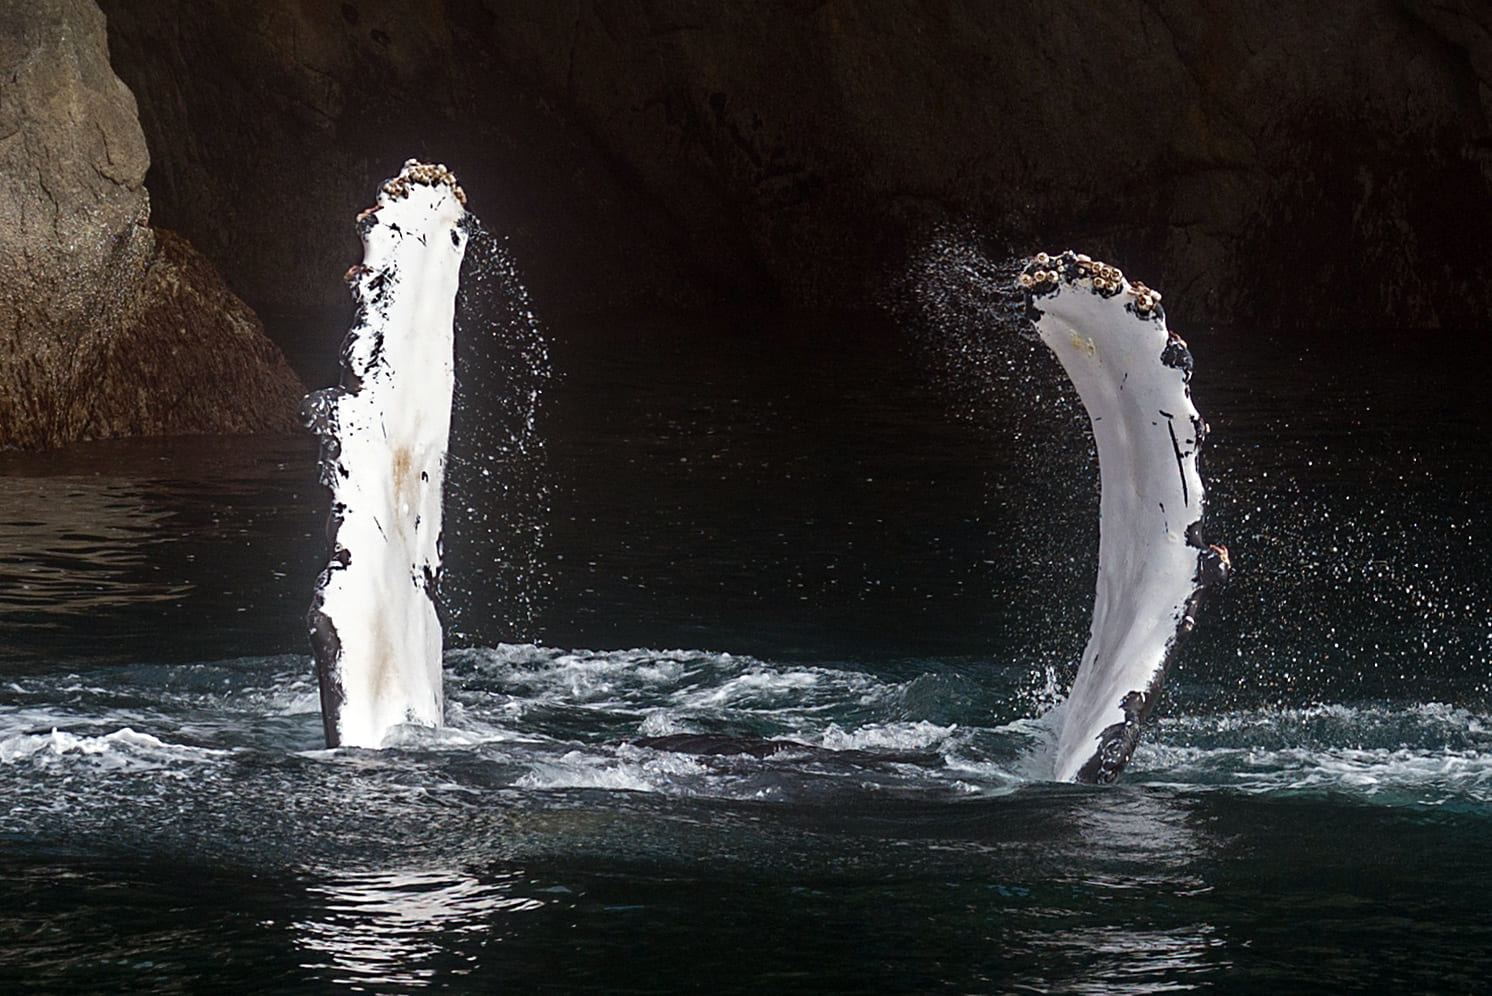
{"points": [[920, 735], [756, 687], [630, 769], [121, 749], [661, 723], [1428, 754]]}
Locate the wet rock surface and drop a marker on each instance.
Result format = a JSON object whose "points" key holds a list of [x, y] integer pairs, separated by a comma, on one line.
{"points": [[193, 359], [107, 328]]}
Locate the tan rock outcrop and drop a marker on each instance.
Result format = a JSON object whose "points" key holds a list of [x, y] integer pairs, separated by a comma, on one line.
{"points": [[105, 329]]}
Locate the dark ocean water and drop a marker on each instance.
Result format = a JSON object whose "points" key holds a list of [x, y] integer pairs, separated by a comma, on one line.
{"points": [[871, 544]]}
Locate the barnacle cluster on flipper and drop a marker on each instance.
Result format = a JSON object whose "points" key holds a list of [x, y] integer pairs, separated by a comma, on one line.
{"points": [[1043, 273], [429, 174]]}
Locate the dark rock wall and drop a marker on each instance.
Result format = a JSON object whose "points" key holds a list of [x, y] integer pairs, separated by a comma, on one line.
{"points": [[273, 122], [190, 358], [1280, 163], [107, 328]]}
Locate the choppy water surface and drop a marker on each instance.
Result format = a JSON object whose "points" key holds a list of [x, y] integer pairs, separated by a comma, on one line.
{"points": [[774, 723]]}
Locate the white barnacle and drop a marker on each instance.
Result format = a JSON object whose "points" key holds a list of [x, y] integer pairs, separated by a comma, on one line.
{"points": [[1027, 280], [1043, 258]]}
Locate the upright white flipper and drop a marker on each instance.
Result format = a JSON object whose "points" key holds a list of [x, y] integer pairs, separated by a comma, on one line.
{"points": [[384, 433], [1132, 375]]}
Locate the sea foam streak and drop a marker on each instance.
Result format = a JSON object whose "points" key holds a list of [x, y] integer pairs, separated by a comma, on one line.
{"points": [[384, 433], [1133, 377]]}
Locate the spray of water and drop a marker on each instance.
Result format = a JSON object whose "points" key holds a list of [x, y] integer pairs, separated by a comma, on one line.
{"points": [[497, 492]]}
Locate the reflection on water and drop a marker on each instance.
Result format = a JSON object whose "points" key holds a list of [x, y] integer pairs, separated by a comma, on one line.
{"points": [[1122, 959], [880, 583], [373, 930], [156, 549], [1143, 849], [1135, 836], [69, 545]]}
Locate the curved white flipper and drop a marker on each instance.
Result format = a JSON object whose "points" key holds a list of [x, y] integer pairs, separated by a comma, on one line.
{"points": [[384, 434], [1132, 375]]}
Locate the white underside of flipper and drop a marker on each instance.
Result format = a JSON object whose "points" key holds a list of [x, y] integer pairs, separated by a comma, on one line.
{"points": [[384, 435], [1132, 375]]}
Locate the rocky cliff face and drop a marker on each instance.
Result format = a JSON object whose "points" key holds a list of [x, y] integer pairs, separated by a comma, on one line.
{"points": [[105, 328], [1285, 164], [272, 123]]}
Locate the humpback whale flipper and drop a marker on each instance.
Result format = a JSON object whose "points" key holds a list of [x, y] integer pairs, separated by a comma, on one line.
{"points": [[1133, 376], [384, 433]]}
